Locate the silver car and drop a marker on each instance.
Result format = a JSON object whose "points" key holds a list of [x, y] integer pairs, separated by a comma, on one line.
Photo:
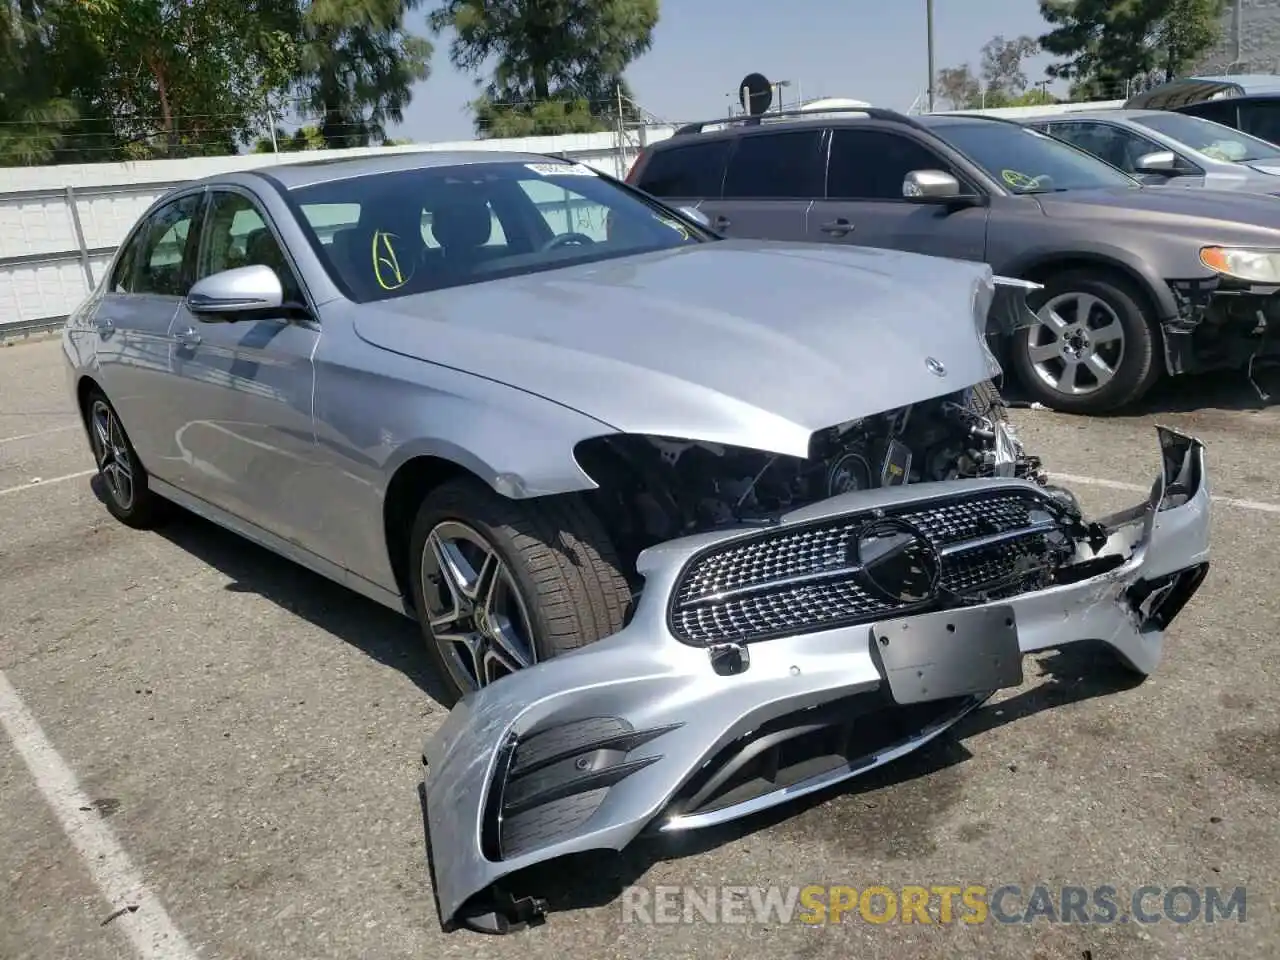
{"points": [[692, 526], [1169, 148]]}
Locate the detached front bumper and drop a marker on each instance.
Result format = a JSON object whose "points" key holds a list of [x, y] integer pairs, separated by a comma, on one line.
{"points": [[648, 731]]}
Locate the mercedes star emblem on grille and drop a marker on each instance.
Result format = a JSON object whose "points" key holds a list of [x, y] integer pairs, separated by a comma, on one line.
{"points": [[935, 367], [896, 561]]}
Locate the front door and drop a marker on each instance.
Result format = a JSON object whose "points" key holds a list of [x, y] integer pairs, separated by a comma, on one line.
{"points": [[770, 183], [148, 282], [864, 205], [246, 382]]}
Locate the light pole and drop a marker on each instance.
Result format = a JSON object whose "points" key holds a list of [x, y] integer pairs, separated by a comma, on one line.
{"points": [[928, 16]]}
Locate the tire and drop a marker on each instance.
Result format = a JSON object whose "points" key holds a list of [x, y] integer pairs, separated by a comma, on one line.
{"points": [[1133, 358], [119, 467], [557, 581], [985, 400]]}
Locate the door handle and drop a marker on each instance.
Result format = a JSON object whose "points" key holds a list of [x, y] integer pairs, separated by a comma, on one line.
{"points": [[837, 226], [188, 337]]}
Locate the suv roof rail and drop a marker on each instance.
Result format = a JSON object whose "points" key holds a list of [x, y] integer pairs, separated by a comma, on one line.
{"points": [[875, 113]]}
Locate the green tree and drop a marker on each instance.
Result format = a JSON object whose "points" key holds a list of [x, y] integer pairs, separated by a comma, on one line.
{"points": [[36, 113], [568, 51], [1108, 45], [358, 67], [1001, 82]]}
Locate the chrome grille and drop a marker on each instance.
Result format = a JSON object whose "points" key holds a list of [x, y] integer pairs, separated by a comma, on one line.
{"points": [[799, 579]]}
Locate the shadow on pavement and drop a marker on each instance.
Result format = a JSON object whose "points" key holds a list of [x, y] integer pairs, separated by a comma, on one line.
{"points": [[379, 633], [1221, 390]]}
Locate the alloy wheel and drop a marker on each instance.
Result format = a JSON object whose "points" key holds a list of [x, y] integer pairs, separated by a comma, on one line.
{"points": [[1078, 346], [111, 451], [474, 607]]}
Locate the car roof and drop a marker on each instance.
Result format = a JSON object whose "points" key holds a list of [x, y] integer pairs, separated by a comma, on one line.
{"points": [[1189, 90], [306, 173]]}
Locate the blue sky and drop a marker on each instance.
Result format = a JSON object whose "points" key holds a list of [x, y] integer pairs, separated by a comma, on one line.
{"points": [[873, 50]]}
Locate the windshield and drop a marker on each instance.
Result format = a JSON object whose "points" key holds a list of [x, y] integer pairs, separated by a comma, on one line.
{"points": [[1027, 161], [395, 234], [1212, 139]]}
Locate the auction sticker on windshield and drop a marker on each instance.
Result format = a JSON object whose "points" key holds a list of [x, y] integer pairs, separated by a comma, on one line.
{"points": [[560, 169]]}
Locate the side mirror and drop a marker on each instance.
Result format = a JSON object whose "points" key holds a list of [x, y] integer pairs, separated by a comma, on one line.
{"points": [[697, 216], [1161, 161], [242, 290], [933, 186]]}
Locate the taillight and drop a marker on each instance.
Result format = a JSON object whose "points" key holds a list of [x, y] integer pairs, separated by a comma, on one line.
{"points": [[630, 178]]}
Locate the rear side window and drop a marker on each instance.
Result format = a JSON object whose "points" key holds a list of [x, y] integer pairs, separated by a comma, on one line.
{"points": [[1219, 111], [1262, 120], [776, 166], [689, 172]]}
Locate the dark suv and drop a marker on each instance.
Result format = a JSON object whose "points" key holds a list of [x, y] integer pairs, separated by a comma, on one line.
{"points": [[1139, 281]]}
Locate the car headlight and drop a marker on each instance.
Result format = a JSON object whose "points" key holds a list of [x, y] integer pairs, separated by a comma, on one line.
{"points": [[1251, 265]]}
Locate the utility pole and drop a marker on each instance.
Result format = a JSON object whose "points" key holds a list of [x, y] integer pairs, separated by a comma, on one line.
{"points": [[928, 15]]}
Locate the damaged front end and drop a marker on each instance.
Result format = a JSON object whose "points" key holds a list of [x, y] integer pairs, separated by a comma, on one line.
{"points": [[1223, 324], [768, 660]]}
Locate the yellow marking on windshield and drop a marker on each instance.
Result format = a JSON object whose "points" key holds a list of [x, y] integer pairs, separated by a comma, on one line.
{"points": [[388, 261], [1017, 180]]}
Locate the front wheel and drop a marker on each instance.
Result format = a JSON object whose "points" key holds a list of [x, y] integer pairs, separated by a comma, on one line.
{"points": [[500, 584], [1095, 348]]}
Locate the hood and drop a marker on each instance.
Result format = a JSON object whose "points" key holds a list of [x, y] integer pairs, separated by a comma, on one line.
{"points": [[1253, 216], [746, 343]]}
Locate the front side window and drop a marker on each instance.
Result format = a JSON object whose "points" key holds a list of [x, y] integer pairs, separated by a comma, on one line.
{"points": [[1117, 146], [164, 260], [871, 164], [237, 235], [1262, 120], [776, 166], [1026, 161], [1211, 139], [437, 227]]}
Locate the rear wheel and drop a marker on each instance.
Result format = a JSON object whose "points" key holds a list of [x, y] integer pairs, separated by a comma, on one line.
{"points": [[1095, 349], [127, 493], [500, 585]]}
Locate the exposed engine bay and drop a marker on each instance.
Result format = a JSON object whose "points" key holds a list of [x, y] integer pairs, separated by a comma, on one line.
{"points": [[654, 489]]}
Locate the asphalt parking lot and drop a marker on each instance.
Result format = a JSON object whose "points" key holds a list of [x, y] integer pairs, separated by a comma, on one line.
{"points": [[250, 734]]}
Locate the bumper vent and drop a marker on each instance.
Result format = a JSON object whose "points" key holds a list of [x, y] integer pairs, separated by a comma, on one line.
{"points": [[551, 782], [984, 546]]}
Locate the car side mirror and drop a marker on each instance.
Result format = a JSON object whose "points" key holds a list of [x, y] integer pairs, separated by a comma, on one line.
{"points": [[242, 290], [697, 216], [1160, 162], [934, 186]]}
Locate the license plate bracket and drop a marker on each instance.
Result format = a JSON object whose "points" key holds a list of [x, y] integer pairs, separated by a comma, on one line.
{"points": [[952, 653]]}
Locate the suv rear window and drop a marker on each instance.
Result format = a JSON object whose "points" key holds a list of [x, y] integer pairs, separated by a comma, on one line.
{"points": [[695, 171]]}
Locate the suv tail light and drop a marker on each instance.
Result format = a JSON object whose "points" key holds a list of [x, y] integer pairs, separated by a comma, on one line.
{"points": [[630, 178]]}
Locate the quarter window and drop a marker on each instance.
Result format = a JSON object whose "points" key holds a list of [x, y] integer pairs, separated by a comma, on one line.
{"points": [[693, 172], [776, 166], [872, 164], [163, 255]]}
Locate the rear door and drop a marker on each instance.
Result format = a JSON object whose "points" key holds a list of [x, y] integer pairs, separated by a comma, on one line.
{"points": [[771, 181], [864, 205], [147, 284]]}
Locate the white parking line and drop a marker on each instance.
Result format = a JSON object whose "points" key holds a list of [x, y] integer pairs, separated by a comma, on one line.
{"points": [[134, 908], [45, 483], [39, 433], [1261, 506]]}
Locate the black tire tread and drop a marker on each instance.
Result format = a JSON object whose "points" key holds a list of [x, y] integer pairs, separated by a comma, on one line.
{"points": [[581, 594]]}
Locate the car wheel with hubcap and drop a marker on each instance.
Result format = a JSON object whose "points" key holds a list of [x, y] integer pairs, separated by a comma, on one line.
{"points": [[1094, 349], [128, 495], [500, 585]]}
